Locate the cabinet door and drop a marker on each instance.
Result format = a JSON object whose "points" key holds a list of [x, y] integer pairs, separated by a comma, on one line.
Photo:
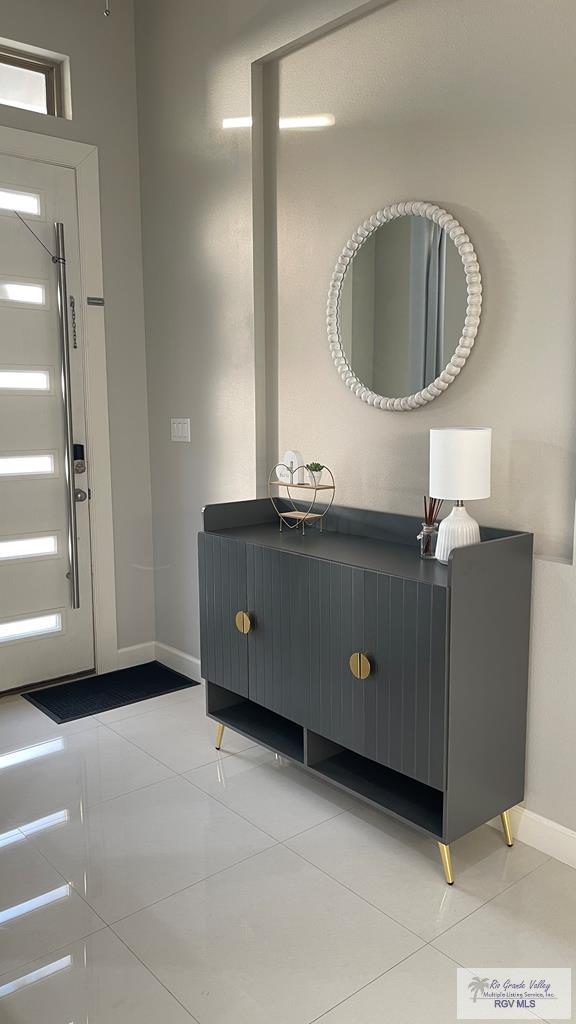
{"points": [[279, 644], [397, 715], [222, 572]]}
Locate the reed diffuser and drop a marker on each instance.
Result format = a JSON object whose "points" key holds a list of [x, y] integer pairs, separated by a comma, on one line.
{"points": [[429, 532]]}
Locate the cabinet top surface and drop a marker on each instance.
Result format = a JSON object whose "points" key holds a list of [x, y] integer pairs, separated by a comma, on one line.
{"points": [[400, 560], [378, 541]]}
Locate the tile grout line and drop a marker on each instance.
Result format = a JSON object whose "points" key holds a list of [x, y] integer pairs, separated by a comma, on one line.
{"points": [[199, 881], [352, 892], [249, 821], [539, 1020], [275, 840], [107, 928], [163, 763], [426, 942], [71, 885], [51, 952], [107, 924], [487, 902], [367, 985], [296, 835], [155, 976]]}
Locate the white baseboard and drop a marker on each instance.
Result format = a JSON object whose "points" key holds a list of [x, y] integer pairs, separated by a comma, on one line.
{"points": [[173, 658], [545, 835], [139, 654], [178, 660]]}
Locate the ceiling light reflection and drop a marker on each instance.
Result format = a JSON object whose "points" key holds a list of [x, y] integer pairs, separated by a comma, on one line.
{"points": [[286, 123], [237, 122], [313, 121]]}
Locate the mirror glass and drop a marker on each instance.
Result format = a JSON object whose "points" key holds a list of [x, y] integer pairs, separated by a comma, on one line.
{"points": [[402, 306]]}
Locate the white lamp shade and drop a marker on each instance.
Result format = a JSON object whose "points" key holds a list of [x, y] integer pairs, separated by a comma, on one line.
{"points": [[460, 463]]}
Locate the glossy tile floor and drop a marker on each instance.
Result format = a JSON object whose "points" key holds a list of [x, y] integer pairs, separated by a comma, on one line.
{"points": [[147, 879]]}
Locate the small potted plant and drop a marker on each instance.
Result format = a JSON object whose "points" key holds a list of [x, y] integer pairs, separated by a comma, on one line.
{"points": [[315, 472]]}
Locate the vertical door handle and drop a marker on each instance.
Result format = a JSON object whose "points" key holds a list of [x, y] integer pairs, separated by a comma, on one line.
{"points": [[67, 399]]}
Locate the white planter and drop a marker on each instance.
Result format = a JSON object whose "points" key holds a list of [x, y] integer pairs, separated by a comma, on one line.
{"points": [[315, 478]]}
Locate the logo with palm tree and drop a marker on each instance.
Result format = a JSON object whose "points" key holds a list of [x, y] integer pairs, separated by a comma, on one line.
{"points": [[478, 986]]}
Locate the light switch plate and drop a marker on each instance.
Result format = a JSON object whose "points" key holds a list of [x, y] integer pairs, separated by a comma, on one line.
{"points": [[180, 429]]}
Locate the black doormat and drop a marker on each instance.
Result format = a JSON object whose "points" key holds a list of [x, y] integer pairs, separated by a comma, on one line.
{"points": [[67, 701]]}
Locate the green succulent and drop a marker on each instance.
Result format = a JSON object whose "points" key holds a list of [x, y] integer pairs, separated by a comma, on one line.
{"points": [[314, 467]]}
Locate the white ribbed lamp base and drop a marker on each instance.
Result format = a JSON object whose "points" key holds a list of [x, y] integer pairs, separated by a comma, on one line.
{"points": [[456, 531]]}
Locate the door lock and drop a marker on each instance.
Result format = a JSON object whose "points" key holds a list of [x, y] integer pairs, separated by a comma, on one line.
{"points": [[79, 494], [79, 459]]}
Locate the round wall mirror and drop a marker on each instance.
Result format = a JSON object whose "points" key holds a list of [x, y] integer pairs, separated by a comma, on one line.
{"points": [[404, 306]]}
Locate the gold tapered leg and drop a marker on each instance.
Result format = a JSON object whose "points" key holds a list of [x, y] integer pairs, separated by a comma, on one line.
{"points": [[507, 828], [219, 735], [446, 859]]}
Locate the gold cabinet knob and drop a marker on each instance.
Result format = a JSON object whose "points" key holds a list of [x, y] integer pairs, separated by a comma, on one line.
{"points": [[243, 622], [360, 665]]}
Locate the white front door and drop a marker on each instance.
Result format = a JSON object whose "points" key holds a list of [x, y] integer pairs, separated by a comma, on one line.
{"points": [[42, 636]]}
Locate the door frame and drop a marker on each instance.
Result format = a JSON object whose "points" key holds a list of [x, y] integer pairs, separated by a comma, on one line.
{"points": [[82, 158]]}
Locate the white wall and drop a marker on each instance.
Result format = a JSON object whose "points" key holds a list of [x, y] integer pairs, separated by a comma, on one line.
{"points": [[506, 171], [101, 52]]}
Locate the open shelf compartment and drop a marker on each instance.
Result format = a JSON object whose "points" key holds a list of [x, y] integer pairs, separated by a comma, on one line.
{"points": [[401, 796], [256, 722]]}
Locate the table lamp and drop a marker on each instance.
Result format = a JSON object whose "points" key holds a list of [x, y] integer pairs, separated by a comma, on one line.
{"points": [[459, 471]]}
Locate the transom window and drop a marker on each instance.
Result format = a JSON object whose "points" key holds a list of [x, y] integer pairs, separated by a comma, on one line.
{"points": [[30, 82]]}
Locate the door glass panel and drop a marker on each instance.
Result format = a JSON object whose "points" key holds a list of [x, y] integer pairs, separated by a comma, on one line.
{"points": [[18, 291], [22, 87], [26, 465], [28, 547], [24, 380], [23, 202], [37, 625]]}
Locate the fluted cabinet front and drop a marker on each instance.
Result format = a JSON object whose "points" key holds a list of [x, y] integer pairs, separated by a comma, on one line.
{"points": [[222, 581], [395, 716], [279, 646]]}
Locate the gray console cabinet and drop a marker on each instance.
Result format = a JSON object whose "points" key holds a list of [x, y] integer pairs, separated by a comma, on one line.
{"points": [[435, 735]]}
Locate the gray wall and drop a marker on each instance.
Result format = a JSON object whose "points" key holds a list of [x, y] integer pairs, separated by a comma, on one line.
{"points": [[101, 52], [193, 71], [357, 309], [496, 150], [469, 105]]}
